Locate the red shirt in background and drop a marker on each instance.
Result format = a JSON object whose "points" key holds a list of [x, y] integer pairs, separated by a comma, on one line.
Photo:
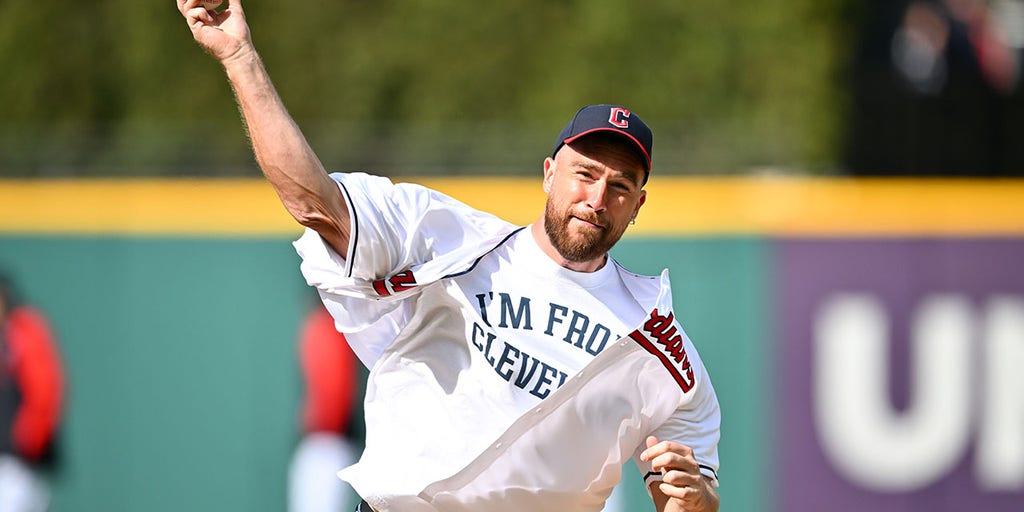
{"points": [[31, 362], [330, 374]]}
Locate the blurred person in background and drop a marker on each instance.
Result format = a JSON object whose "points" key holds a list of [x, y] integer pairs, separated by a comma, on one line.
{"points": [[968, 32], [935, 89], [31, 393], [330, 378]]}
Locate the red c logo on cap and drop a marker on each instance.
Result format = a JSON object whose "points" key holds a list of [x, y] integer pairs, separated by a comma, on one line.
{"points": [[619, 117]]}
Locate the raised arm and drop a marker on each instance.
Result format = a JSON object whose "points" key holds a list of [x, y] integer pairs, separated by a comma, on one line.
{"points": [[284, 155]]}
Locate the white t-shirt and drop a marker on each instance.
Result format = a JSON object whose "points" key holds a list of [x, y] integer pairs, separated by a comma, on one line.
{"points": [[500, 380]]}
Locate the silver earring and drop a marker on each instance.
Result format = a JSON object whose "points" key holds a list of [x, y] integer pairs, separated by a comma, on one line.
{"points": [[632, 222]]}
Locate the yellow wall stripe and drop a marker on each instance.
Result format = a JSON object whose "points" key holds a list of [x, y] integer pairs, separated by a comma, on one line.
{"points": [[676, 206]]}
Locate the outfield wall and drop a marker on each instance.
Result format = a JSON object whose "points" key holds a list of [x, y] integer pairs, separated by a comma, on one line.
{"points": [[864, 337]]}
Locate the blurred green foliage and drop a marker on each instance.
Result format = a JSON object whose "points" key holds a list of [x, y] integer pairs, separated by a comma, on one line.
{"points": [[424, 87]]}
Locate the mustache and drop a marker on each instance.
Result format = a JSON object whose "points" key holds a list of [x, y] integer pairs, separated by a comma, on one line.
{"points": [[590, 217]]}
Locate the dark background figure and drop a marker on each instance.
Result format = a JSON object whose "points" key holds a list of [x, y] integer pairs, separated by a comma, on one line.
{"points": [[330, 374], [31, 395], [935, 90]]}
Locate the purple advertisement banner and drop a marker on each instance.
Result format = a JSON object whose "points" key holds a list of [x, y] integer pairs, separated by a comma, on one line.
{"points": [[902, 375]]}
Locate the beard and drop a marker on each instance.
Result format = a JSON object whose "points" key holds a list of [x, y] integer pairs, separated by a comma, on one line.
{"points": [[583, 245]]}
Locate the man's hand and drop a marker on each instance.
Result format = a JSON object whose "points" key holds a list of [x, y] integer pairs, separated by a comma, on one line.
{"points": [[683, 487], [223, 34]]}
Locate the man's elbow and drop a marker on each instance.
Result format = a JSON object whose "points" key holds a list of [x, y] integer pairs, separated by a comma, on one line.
{"points": [[333, 231], [307, 211], [306, 215], [316, 220]]}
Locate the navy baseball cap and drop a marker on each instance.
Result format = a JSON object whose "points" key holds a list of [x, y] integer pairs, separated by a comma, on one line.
{"points": [[609, 118]]}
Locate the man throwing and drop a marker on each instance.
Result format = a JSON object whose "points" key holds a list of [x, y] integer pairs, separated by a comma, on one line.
{"points": [[511, 368]]}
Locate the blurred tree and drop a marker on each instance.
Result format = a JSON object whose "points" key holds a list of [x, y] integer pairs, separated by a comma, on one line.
{"points": [[417, 86]]}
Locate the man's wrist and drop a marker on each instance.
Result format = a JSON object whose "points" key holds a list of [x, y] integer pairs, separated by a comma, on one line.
{"points": [[242, 59]]}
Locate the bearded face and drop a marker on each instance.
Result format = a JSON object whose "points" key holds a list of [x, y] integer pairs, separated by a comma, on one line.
{"points": [[579, 236], [594, 187]]}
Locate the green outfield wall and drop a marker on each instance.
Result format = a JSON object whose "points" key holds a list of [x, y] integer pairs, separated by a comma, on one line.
{"points": [[177, 303], [181, 360]]}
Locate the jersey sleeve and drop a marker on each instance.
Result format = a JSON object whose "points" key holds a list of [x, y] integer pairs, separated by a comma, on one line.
{"points": [[395, 228], [399, 226], [695, 423]]}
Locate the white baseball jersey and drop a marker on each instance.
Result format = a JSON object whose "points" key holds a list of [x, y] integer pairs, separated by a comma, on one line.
{"points": [[500, 380]]}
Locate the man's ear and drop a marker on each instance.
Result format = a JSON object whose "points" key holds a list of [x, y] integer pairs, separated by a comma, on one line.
{"points": [[549, 173], [643, 199]]}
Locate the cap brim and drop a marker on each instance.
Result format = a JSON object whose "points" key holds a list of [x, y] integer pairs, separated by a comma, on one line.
{"points": [[639, 146]]}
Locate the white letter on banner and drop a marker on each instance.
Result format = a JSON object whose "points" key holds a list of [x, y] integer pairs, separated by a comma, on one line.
{"points": [[864, 438], [999, 461]]}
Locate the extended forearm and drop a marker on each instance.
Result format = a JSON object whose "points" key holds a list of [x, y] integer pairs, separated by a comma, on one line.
{"points": [[284, 155]]}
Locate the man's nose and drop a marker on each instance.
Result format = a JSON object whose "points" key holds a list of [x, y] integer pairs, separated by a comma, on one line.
{"points": [[596, 193]]}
